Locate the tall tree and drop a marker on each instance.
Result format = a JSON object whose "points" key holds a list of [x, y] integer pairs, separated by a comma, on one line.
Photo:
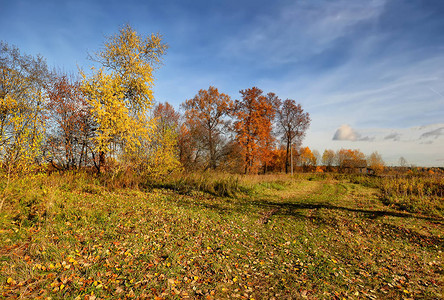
{"points": [[206, 114], [292, 123], [69, 123], [253, 127], [23, 80], [120, 93]]}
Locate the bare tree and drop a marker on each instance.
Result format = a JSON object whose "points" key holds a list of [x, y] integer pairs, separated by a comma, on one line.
{"points": [[292, 123]]}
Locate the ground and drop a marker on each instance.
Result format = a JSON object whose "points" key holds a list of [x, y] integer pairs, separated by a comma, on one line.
{"points": [[277, 237]]}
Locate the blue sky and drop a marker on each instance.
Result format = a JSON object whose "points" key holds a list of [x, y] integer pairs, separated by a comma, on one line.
{"points": [[370, 73]]}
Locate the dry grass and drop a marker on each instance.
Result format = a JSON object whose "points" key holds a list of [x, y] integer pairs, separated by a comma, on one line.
{"points": [[309, 236]]}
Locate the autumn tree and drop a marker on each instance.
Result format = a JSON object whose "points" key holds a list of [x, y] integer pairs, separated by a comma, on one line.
{"points": [[187, 147], [159, 156], [253, 127], [349, 158], [120, 93], [328, 158], [206, 117], [277, 161], [69, 123], [292, 123], [317, 156], [268, 153], [166, 117], [23, 80], [307, 158], [376, 162]]}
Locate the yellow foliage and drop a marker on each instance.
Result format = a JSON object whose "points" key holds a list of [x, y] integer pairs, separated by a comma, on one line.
{"points": [[159, 157], [22, 125], [307, 157], [120, 93], [106, 95]]}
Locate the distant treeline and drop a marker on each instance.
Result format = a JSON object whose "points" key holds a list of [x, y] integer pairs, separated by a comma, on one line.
{"points": [[107, 119]]}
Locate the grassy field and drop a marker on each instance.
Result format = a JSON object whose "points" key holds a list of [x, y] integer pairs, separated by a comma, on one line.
{"points": [[215, 237]]}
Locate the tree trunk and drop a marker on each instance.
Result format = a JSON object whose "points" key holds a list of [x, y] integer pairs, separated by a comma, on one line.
{"points": [[101, 161], [212, 151], [287, 156]]}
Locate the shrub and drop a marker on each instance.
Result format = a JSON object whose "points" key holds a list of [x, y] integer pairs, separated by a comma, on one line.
{"points": [[414, 193]]}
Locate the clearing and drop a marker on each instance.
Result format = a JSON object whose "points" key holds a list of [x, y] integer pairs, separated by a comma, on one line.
{"points": [[68, 236]]}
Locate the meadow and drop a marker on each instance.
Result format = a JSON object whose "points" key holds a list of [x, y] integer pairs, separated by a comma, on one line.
{"points": [[220, 236]]}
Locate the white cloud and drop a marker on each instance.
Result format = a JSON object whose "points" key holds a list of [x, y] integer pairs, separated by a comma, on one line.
{"points": [[345, 133]]}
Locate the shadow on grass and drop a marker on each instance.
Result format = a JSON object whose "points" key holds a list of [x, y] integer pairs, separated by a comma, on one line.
{"points": [[291, 208], [371, 214], [262, 207]]}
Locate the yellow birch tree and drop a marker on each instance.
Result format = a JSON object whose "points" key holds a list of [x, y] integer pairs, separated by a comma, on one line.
{"points": [[22, 123], [120, 92]]}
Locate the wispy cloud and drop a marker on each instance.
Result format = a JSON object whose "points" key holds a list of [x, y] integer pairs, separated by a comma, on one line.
{"points": [[433, 133], [393, 136], [300, 30]]}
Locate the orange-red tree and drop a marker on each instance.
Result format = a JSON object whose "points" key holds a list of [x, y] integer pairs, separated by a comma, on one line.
{"points": [[253, 127], [70, 124], [205, 115], [277, 162], [292, 123], [187, 147], [350, 158], [167, 117]]}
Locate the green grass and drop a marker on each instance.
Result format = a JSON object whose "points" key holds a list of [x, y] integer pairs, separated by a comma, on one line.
{"points": [[260, 237]]}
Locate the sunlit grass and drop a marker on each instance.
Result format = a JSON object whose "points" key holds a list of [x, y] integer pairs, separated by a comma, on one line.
{"points": [[302, 236]]}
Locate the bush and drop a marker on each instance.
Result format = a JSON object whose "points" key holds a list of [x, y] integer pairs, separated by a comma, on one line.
{"points": [[217, 184], [414, 193]]}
